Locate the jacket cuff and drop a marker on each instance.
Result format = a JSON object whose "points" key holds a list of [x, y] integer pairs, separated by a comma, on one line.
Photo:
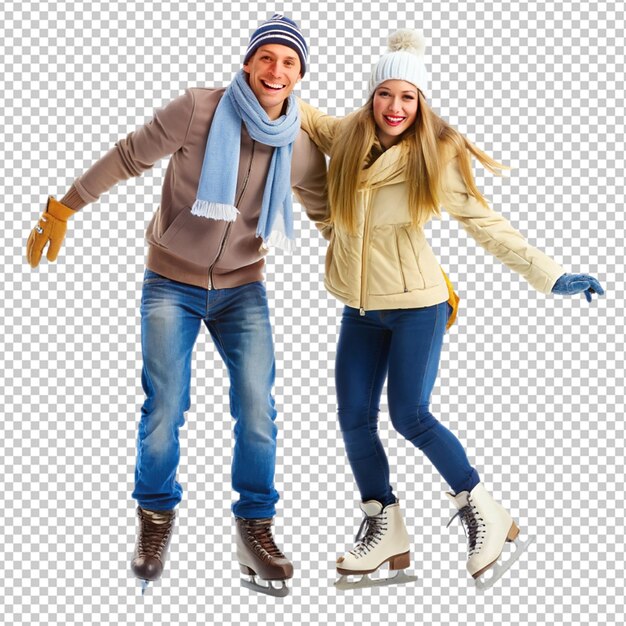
{"points": [[58, 209], [73, 200]]}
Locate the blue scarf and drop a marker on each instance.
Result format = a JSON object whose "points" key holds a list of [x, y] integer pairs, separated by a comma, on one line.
{"points": [[215, 198]]}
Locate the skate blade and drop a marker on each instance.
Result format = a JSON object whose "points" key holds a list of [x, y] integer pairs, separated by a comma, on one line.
{"points": [[344, 583], [144, 585], [256, 584], [487, 579]]}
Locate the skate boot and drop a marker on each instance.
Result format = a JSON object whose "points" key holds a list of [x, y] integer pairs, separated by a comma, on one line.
{"points": [[381, 538], [155, 532], [488, 527], [260, 559]]}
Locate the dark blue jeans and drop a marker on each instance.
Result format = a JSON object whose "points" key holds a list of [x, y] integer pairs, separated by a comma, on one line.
{"points": [[238, 320], [402, 345]]}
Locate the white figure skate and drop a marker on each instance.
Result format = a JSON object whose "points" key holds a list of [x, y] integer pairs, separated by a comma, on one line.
{"points": [[384, 540], [488, 527]]}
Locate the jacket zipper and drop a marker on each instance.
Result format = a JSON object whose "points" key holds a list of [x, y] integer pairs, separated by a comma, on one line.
{"points": [[226, 233], [395, 231], [364, 252]]}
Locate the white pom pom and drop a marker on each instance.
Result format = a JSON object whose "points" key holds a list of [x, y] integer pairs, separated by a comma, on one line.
{"points": [[409, 40]]}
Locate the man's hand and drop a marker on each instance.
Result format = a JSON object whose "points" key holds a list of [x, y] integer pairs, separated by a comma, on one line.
{"points": [[50, 228]]}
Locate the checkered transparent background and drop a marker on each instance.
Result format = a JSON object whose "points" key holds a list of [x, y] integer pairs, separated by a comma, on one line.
{"points": [[532, 385]]}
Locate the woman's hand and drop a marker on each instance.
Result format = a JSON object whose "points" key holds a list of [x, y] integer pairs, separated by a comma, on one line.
{"points": [[569, 284]]}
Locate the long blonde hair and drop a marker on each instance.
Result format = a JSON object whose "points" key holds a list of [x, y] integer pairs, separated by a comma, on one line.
{"points": [[427, 140]]}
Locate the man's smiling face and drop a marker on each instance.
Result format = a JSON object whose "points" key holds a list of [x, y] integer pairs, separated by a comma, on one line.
{"points": [[273, 71]]}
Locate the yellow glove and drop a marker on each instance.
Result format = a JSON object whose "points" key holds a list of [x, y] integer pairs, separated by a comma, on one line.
{"points": [[50, 228]]}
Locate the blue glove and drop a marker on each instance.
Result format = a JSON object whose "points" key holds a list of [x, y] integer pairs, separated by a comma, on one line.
{"points": [[569, 284]]}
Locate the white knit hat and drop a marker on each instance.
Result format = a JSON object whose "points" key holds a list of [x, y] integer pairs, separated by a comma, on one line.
{"points": [[404, 61]]}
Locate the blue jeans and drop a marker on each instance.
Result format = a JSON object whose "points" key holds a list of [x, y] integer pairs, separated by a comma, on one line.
{"points": [[238, 321], [402, 345]]}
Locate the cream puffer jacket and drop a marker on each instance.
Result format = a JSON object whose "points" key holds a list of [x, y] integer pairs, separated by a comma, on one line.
{"points": [[388, 264]]}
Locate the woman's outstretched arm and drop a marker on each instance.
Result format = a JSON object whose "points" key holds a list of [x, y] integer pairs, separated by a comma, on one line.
{"points": [[496, 235], [319, 126]]}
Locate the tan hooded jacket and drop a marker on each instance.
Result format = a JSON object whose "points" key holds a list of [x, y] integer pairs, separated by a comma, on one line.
{"points": [[185, 247]]}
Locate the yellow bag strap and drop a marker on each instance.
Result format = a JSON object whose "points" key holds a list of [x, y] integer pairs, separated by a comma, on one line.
{"points": [[453, 300]]}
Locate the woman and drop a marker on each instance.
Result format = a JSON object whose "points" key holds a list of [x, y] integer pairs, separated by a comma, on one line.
{"points": [[393, 163]]}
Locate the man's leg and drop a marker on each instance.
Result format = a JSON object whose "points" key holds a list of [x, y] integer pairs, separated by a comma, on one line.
{"points": [[239, 323], [170, 321]]}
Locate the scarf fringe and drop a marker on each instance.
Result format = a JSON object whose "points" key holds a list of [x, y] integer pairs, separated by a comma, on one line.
{"points": [[214, 210], [279, 240]]}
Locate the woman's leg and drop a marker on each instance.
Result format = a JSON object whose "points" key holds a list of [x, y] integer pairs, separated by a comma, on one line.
{"points": [[360, 370], [417, 338]]}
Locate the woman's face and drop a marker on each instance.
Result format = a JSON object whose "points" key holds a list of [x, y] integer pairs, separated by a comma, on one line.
{"points": [[395, 110]]}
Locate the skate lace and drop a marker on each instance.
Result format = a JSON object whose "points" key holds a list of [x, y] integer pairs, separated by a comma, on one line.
{"points": [[473, 526], [153, 536], [261, 540], [375, 526]]}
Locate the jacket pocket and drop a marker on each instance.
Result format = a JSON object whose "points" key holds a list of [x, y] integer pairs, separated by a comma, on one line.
{"points": [[408, 254], [400, 264], [394, 263], [427, 267], [385, 275], [188, 237], [170, 232]]}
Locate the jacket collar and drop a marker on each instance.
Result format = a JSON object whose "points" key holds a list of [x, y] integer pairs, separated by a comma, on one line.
{"points": [[388, 168]]}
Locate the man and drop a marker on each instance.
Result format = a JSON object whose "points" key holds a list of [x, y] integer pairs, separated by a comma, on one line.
{"points": [[226, 197]]}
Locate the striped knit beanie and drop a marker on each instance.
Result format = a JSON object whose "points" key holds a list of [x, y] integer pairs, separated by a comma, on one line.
{"points": [[403, 61], [279, 29]]}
